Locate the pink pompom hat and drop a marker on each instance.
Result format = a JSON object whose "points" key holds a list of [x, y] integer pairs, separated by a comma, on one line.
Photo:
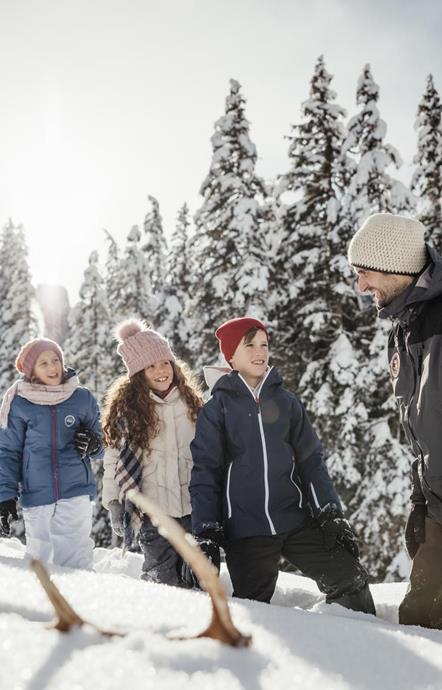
{"points": [[140, 346], [30, 351]]}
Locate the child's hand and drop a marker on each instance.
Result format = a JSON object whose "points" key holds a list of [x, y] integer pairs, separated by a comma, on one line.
{"points": [[87, 442], [209, 545], [116, 512], [337, 530], [8, 512]]}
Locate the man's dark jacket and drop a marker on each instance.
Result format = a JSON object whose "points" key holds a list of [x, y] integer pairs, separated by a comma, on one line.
{"points": [[415, 356], [258, 464]]}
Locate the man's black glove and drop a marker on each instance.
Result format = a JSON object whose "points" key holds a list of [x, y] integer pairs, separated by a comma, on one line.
{"points": [[209, 543], [8, 512], [415, 528], [337, 530], [87, 442]]}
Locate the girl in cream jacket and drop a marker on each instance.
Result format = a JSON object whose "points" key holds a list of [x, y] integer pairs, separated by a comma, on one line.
{"points": [[149, 423]]}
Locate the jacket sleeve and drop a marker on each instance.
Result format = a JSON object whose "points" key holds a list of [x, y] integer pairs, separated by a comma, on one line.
{"points": [[417, 495], [12, 440], [209, 464], [110, 486], [309, 460], [93, 422]]}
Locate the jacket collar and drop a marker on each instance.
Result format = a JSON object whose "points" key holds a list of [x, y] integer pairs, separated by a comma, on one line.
{"points": [[171, 397], [233, 382], [425, 287]]}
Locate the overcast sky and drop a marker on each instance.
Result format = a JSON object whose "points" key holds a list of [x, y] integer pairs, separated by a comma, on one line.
{"points": [[103, 102]]}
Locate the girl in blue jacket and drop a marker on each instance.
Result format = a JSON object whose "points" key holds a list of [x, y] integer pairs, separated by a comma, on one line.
{"points": [[49, 430], [259, 484]]}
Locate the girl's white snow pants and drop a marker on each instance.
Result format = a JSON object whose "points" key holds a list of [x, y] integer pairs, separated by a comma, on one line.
{"points": [[59, 533]]}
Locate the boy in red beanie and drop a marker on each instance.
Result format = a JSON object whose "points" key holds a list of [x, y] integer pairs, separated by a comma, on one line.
{"points": [[259, 484]]}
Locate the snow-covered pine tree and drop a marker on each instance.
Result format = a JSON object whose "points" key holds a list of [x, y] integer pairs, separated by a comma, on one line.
{"points": [[372, 189], [114, 282], [89, 345], [155, 248], [372, 474], [324, 353], [89, 349], [309, 314], [229, 275], [427, 177], [17, 320], [136, 297], [172, 311]]}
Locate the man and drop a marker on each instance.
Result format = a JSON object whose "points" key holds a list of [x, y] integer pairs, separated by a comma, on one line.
{"points": [[404, 277]]}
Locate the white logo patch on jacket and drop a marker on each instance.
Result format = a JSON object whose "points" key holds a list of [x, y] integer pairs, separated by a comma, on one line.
{"points": [[69, 420]]}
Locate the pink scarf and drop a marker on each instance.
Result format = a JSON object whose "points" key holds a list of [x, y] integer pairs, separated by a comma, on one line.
{"points": [[36, 393]]}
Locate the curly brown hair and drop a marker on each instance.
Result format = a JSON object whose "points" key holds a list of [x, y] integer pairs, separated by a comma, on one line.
{"points": [[129, 411]]}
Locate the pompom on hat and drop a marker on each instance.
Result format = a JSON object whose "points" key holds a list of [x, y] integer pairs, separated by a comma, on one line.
{"points": [[231, 333], [390, 244], [140, 346], [29, 353]]}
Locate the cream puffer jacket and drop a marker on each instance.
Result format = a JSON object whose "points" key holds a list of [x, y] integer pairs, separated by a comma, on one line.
{"points": [[167, 465]]}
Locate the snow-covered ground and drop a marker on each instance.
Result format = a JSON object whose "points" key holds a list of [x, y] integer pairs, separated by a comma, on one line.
{"points": [[298, 641]]}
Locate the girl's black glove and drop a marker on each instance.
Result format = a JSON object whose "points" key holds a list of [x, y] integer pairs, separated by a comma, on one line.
{"points": [[8, 512], [415, 528], [87, 442], [337, 530]]}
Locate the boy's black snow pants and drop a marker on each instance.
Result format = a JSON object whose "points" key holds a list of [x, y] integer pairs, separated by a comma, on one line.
{"points": [[161, 562], [422, 604], [253, 566]]}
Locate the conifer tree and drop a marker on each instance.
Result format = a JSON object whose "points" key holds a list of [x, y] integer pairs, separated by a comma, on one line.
{"points": [[89, 350], [427, 177], [330, 352], [372, 472], [155, 248], [309, 310], [17, 320], [227, 248], [372, 189], [135, 294], [172, 319], [114, 282], [89, 346]]}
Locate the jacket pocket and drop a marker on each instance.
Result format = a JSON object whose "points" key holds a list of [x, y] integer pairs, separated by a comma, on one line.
{"points": [[292, 479], [429, 490], [88, 470], [25, 471]]}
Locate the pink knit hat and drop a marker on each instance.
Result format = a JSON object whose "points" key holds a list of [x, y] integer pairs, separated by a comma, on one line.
{"points": [[140, 346], [27, 356]]}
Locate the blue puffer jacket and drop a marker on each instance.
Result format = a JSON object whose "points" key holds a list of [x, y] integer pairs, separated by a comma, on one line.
{"points": [[38, 460], [258, 464]]}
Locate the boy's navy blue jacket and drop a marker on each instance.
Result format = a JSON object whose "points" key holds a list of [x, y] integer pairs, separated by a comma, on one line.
{"points": [[258, 464], [38, 459]]}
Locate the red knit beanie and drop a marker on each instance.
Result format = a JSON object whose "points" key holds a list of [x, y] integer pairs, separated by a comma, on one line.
{"points": [[232, 332], [31, 350]]}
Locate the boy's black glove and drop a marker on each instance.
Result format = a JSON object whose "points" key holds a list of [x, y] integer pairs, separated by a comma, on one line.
{"points": [[87, 442], [337, 530], [415, 528], [8, 512], [209, 543]]}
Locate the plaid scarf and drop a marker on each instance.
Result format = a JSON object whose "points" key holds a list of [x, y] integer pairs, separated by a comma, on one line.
{"points": [[128, 470], [128, 474]]}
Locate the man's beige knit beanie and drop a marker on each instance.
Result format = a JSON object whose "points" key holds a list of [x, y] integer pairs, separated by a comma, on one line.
{"points": [[390, 244]]}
